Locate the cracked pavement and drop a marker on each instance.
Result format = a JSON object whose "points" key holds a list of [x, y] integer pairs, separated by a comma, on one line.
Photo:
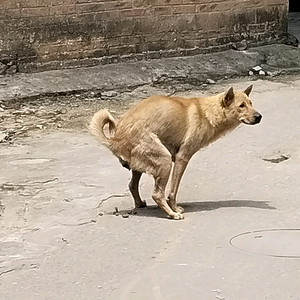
{"points": [[61, 238]]}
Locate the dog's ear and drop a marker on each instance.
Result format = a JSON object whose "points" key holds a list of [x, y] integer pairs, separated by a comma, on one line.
{"points": [[228, 97], [248, 90]]}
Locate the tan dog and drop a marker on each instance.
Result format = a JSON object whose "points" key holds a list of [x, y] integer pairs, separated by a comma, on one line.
{"points": [[160, 130]]}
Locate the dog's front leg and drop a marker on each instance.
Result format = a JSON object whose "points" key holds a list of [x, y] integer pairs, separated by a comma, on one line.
{"points": [[181, 162]]}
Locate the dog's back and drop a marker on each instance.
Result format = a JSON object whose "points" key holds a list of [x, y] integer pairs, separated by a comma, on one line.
{"points": [[173, 120], [165, 117]]}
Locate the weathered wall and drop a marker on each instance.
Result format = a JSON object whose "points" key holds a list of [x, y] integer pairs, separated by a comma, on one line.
{"points": [[55, 32]]}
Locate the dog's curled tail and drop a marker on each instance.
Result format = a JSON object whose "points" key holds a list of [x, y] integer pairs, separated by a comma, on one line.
{"points": [[99, 120]]}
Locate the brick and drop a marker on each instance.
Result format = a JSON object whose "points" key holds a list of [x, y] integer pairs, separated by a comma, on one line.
{"points": [[228, 5], [114, 42], [117, 5], [183, 9], [119, 27], [200, 43], [103, 51], [158, 36], [81, 18], [27, 4], [208, 21], [144, 3], [134, 12], [107, 15], [121, 50], [41, 3], [90, 8], [35, 12], [58, 2], [161, 10], [47, 48], [144, 25], [14, 12], [169, 2], [16, 4], [62, 10], [273, 2], [129, 40], [191, 1]]}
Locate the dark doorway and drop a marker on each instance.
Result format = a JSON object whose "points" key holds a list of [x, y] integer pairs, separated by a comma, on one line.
{"points": [[294, 5], [294, 18]]}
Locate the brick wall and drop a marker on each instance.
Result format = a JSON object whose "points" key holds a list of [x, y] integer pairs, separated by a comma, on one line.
{"points": [[56, 33]]}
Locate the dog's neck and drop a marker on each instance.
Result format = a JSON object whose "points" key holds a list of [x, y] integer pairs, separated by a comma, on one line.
{"points": [[213, 111]]}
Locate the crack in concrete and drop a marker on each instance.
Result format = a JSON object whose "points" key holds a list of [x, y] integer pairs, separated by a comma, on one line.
{"points": [[28, 193], [111, 196], [89, 185], [15, 187], [82, 223], [20, 268], [8, 271], [2, 209], [11, 187], [42, 182], [23, 211]]}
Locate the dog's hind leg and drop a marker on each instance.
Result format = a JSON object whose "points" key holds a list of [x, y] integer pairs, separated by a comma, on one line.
{"points": [[153, 158], [134, 189], [181, 161], [161, 179]]}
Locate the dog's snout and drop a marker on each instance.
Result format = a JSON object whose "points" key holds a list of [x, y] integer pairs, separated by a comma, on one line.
{"points": [[257, 117]]}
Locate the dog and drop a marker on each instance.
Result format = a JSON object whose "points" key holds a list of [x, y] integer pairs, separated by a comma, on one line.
{"points": [[161, 131]]}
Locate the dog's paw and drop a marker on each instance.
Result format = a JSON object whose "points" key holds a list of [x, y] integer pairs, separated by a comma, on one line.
{"points": [[179, 209], [141, 204], [176, 216]]}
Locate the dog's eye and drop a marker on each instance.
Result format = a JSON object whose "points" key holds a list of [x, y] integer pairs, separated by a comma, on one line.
{"points": [[242, 105]]}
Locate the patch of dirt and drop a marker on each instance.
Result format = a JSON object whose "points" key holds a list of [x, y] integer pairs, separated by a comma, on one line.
{"points": [[18, 118]]}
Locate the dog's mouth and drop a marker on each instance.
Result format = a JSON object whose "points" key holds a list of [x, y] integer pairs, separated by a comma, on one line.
{"points": [[253, 122], [245, 122], [249, 123]]}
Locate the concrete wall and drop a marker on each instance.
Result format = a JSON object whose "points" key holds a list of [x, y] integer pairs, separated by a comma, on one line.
{"points": [[54, 33]]}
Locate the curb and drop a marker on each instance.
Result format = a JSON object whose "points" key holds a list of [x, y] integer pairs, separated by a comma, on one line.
{"points": [[195, 70]]}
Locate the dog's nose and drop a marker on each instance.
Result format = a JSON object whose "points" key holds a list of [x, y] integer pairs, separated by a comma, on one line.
{"points": [[257, 117]]}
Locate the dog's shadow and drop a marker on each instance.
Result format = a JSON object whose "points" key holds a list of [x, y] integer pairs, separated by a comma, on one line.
{"points": [[189, 207]]}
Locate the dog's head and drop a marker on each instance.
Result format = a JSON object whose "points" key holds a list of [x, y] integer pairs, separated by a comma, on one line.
{"points": [[238, 107]]}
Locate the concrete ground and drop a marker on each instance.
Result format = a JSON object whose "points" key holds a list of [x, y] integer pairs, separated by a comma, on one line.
{"points": [[59, 189]]}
